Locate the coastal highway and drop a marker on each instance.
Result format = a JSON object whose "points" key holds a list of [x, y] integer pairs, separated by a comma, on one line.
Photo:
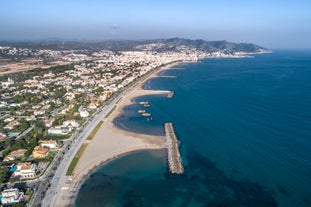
{"points": [[56, 194]]}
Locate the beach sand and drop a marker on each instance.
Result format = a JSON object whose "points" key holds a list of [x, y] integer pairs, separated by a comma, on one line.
{"points": [[111, 142]]}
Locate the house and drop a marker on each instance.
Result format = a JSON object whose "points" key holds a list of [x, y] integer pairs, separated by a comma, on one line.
{"points": [[3, 104], [103, 97], [39, 112], [12, 196], [52, 144], [40, 152], [58, 131], [93, 105], [3, 136], [30, 118], [71, 123], [15, 154], [7, 83], [48, 122], [25, 170], [12, 124], [64, 111], [70, 96], [9, 119], [20, 112], [84, 113]]}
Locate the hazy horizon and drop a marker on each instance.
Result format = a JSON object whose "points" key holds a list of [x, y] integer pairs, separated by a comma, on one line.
{"points": [[277, 24]]}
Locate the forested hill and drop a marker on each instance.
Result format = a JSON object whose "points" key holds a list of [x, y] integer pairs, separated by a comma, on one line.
{"points": [[171, 44]]}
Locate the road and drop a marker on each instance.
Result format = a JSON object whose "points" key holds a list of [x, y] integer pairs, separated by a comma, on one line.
{"points": [[55, 194]]}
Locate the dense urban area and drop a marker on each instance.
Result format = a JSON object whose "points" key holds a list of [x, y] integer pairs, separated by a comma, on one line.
{"points": [[43, 109]]}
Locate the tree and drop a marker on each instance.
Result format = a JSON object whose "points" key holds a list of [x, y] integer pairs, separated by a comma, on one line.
{"points": [[19, 144], [13, 109], [24, 125], [59, 120], [18, 205], [5, 153], [59, 92], [99, 90], [4, 176], [8, 142]]}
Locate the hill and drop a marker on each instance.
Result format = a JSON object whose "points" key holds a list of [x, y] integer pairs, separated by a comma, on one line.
{"points": [[172, 44]]}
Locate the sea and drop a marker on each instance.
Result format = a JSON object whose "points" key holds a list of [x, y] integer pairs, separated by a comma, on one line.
{"points": [[244, 126]]}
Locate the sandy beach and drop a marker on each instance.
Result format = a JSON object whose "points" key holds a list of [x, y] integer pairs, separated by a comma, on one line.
{"points": [[111, 142]]}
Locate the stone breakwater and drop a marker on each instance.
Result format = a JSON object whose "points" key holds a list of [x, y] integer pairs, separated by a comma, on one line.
{"points": [[173, 156], [170, 94]]}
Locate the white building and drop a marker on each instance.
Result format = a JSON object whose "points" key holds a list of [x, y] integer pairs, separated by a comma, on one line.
{"points": [[8, 83], [15, 154], [71, 122], [9, 119], [84, 114], [93, 105], [58, 131], [48, 122], [25, 170], [12, 196], [3, 136], [52, 144], [39, 112]]}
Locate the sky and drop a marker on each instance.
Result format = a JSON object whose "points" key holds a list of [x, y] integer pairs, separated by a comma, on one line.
{"points": [[269, 23]]}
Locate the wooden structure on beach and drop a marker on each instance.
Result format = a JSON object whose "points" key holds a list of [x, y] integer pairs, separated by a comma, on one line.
{"points": [[173, 156]]}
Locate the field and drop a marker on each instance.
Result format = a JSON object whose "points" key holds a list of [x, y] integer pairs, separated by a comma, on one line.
{"points": [[27, 65]]}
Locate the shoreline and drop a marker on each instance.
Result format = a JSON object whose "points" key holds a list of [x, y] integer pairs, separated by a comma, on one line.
{"points": [[77, 185], [111, 142]]}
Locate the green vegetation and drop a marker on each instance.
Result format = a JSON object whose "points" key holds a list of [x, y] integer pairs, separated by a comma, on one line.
{"points": [[119, 100], [6, 143], [76, 159], [59, 92], [94, 131], [48, 158], [56, 137], [4, 174], [110, 111], [22, 76]]}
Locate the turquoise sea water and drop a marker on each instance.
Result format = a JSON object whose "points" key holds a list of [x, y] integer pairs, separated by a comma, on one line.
{"points": [[245, 132]]}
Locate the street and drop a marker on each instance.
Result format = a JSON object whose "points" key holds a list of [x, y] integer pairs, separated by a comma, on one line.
{"points": [[55, 192]]}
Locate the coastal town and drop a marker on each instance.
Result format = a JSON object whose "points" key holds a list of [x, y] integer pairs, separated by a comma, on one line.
{"points": [[44, 110]]}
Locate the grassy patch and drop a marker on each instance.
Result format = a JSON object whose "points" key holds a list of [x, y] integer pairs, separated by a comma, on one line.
{"points": [[76, 159], [56, 137], [94, 131], [110, 111], [119, 100]]}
